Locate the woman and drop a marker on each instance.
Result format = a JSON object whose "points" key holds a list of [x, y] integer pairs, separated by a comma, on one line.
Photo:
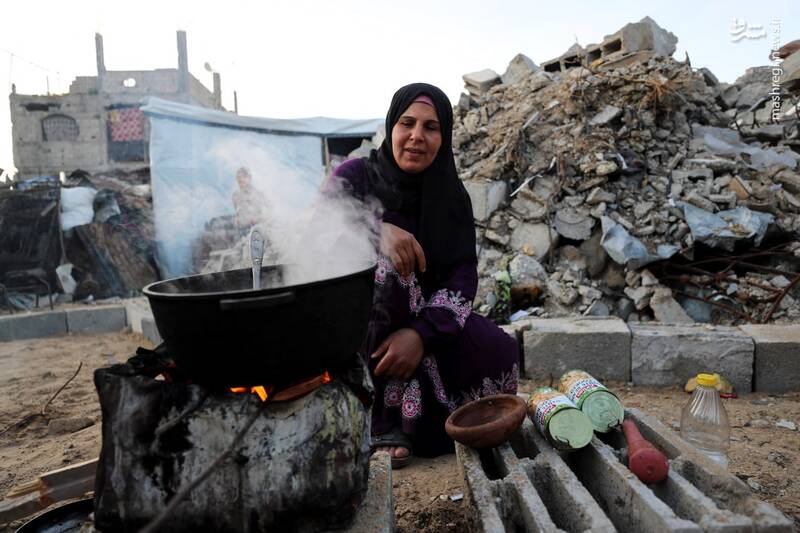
{"points": [[428, 352]]}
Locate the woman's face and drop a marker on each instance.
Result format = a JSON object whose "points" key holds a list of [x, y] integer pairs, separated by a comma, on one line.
{"points": [[416, 138]]}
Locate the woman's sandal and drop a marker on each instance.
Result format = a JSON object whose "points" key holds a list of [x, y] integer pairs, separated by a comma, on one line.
{"points": [[397, 439]]}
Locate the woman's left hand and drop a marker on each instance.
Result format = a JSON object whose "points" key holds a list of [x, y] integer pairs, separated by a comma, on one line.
{"points": [[400, 354]]}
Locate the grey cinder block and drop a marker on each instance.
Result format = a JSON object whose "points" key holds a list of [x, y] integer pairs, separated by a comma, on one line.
{"points": [[598, 345]]}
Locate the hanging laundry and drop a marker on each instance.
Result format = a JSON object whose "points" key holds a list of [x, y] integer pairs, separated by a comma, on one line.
{"points": [[127, 124]]}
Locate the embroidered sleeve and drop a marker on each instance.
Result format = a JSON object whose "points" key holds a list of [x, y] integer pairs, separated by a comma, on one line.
{"points": [[453, 302], [447, 310]]}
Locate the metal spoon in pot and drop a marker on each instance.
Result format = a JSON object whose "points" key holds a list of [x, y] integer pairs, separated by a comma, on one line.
{"points": [[256, 254]]}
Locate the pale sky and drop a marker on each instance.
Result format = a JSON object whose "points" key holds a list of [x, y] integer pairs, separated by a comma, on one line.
{"points": [[346, 58]]}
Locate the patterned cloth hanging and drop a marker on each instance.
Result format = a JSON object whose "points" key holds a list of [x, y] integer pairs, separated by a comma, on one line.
{"points": [[127, 124]]}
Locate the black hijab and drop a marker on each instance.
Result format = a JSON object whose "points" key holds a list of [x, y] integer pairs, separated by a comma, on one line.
{"points": [[435, 197]]}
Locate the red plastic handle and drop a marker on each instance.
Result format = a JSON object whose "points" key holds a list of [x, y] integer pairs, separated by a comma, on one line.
{"points": [[644, 460]]}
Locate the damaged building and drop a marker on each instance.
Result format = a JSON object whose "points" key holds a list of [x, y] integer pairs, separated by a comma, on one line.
{"points": [[98, 126]]}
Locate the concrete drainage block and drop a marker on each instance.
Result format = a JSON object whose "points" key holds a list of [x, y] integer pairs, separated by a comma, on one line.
{"points": [[526, 485]]}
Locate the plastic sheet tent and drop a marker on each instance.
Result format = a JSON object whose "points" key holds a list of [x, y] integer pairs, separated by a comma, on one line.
{"points": [[195, 153]]}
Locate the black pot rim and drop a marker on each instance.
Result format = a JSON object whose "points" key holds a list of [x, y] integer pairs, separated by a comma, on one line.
{"points": [[151, 292]]}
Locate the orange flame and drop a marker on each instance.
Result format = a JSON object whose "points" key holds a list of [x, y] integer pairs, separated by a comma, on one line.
{"points": [[263, 392], [292, 392]]}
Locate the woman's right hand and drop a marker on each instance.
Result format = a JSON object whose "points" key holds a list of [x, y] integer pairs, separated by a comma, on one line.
{"points": [[402, 249]]}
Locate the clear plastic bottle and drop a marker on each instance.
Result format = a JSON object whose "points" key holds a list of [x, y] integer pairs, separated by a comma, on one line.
{"points": [[704, 422]]}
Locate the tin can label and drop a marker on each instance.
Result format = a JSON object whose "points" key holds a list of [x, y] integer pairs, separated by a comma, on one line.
{"points": [[547, 402], [577, 385]]}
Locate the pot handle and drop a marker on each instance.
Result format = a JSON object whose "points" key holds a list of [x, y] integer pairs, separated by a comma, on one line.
{"points": [[257, 302]]}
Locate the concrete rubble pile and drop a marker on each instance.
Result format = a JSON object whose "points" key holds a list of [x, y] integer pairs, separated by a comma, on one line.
{"points": [[614, 157]]}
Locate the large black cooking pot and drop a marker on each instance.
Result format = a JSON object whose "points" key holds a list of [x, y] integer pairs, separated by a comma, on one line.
{"points": [[222, 332]]}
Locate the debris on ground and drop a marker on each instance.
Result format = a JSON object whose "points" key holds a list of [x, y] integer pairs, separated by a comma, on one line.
{"points": [[633, 185]]}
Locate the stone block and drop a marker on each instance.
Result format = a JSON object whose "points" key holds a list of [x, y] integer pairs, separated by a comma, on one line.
{"points": [[518, 69], [150, 331], [606, 115], [136, 310], [486, 197], [32, 325], [777, 355], [640, 36], [99, 319], [598, 345], [534, 239], [670, 355], [481, 81], [376, 512]]}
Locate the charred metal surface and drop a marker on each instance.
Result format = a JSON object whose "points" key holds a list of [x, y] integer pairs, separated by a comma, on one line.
{"points": [[302, 467]]}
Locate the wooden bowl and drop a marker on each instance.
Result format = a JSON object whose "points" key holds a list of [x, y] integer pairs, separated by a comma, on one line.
{"points": [[487, 422]]}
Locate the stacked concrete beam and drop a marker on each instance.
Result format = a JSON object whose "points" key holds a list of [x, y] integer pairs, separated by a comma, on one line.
{"points": [[525, 485], [637, 41]]}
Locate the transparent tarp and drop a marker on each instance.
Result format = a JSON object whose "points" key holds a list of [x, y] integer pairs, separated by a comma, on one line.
{"points": [[195, 155]]}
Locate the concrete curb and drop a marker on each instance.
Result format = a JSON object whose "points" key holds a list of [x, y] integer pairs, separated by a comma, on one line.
{"points": [[32, 325], [753, 357], [376, 512], [104, 319], [133, 313]]}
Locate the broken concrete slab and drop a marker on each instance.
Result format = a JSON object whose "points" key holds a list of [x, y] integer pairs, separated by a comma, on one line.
{"points": [[777, 356], [520, 67], [573, 57], [32, 325], [665, 356], [571, 224], [524, 270], [529, 209], [692, 173], [606, 115], [640, 36], [486, 197], [600, 346], [96, 319], [640, 295], [666, 309], [534, 239], [477, 83]]}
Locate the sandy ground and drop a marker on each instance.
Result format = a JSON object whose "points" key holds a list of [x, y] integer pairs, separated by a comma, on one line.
{"points": [[762, 454]]}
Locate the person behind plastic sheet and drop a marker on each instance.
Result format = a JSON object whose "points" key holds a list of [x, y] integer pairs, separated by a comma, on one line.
{"points": [[428, 353], [250, 204]]}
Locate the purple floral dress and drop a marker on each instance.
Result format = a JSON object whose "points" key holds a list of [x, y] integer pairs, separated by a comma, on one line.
{"points": [[465, 355]]}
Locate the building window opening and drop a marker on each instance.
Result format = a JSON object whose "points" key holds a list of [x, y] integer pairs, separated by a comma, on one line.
{"points": [[60, 128], [129, 83]]}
